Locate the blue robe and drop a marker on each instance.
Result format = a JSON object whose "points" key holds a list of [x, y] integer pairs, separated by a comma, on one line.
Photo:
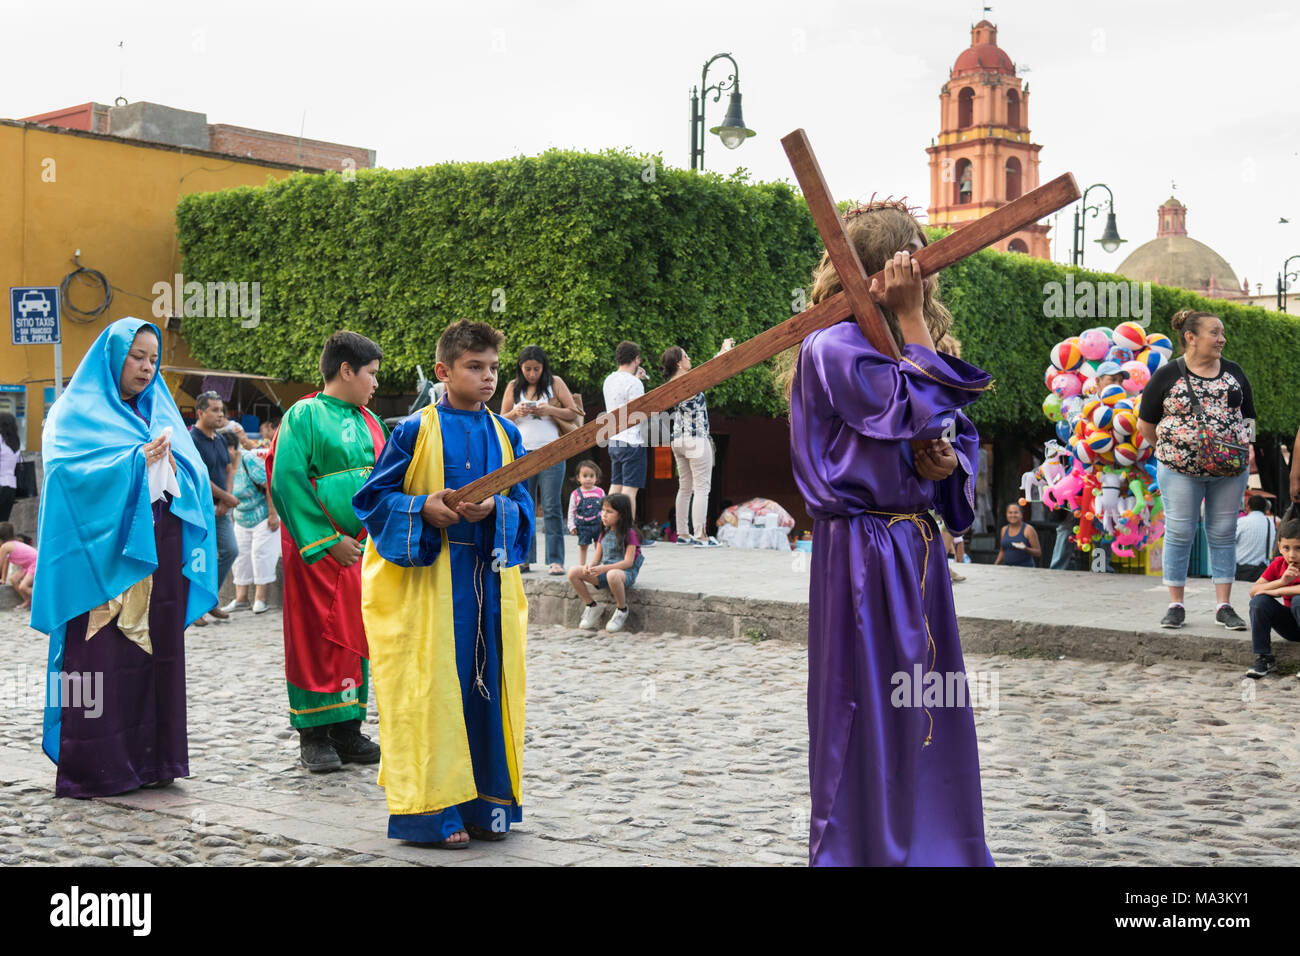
{"points": [[470, 451]]}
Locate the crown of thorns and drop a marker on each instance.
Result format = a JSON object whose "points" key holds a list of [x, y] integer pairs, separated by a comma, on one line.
{"points": [[888, 202]]}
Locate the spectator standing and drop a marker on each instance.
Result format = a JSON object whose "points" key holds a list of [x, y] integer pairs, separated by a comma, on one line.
{"points": [[627, 449], [257, 530], [693, 451], [1199, 398], [9, 458], [212, 448], [536, 401]]}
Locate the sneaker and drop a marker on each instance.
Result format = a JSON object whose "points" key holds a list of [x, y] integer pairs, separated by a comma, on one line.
{"points": [[235, 606], [1229, 619], [616, 622], [712, 542], [1264, 665], [685, 539], [260, 607], [351, 744], [590, 618], [1174, 617]]}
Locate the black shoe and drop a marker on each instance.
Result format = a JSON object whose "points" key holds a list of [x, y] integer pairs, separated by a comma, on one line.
{"points": [[318, 754], [1174, 617], [351, 744], [1265, 664], [1229, 619]]}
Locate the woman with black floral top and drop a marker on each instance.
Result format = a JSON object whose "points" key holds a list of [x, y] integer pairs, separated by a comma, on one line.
{"points": [[692, 450], [1167, 420]]}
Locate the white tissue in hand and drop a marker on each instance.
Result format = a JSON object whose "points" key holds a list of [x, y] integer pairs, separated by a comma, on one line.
{"points": [[161, 476]]}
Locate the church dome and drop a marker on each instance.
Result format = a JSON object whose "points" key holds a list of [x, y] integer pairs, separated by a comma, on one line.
{"points": [[1173, 258], [984, 55]]}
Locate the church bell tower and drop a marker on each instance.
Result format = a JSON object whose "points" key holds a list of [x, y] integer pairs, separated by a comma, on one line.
{"points": [[983, 158]]}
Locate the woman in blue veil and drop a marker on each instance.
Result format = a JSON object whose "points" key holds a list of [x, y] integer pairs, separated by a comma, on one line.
{"points": [[127, 560]]}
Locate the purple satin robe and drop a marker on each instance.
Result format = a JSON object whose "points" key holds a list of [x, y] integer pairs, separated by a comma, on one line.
{"points": [[880, 796]]}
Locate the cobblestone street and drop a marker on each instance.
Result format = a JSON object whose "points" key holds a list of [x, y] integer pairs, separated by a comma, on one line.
{"points": [[667, 750]]}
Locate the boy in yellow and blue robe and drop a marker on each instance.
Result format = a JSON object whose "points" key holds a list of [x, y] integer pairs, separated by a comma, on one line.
{"points": [[444, 608]]}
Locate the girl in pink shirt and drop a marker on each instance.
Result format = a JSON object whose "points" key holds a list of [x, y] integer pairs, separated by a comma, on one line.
{"points": [[19, 558]]}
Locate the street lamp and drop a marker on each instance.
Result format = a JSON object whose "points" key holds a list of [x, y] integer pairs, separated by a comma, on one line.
{"points": [[1110, 240], [1283, 280], [732, 131]]}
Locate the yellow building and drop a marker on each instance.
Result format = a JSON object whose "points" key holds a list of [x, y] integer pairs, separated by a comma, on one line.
{"points": [[114, 199]]}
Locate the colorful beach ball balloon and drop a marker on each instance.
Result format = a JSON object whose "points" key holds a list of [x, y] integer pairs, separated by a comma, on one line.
{"points": [[1066, 356], [1067, 384], [1063, 431], [1102, 415], [1119, 355], [1082, 453], [1138, 376], [1100, 441], [1112, 394], [1159, 342], [1152, 359], [1052, 407], [1131, 336], [1051, 373], [1124, 423], [1126, 454], [1093, 344]]}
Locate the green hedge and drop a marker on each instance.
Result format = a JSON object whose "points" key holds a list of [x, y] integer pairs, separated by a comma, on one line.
{"points": [[587, 250]]}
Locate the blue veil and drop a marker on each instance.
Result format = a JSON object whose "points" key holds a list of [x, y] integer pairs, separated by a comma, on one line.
{"points": [[96, 530]]}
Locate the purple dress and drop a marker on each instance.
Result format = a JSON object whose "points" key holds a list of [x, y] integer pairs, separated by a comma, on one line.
{"points": [[880, 610]]}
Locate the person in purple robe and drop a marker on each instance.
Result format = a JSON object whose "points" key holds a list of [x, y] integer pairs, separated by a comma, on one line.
{"points": [[127, 560], [876, 445]]}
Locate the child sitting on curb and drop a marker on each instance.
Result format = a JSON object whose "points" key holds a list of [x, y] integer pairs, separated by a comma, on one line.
{"points": [[1271, 607], [615, 564]]}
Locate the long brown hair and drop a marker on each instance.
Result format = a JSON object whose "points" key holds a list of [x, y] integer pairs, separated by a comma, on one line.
{"points": [[877, 231]]}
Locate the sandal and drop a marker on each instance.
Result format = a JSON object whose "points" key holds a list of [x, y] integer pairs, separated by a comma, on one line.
{"points": [[448, 845], [478, 833], [556, 569]]}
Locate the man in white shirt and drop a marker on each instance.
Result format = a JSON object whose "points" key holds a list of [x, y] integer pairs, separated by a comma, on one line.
{"points": [[1255, 536], [627, 453]]}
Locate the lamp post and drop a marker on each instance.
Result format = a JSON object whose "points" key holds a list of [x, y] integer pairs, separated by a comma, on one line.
{"points": [[1110, 240], [1283, 279], [732, 131]]}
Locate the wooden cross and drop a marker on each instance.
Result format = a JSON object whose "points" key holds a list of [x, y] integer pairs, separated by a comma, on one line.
{"points": [[854, 301]]}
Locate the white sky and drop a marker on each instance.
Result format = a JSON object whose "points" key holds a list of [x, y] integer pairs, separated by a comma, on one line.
{"points": [[1133, 94]]}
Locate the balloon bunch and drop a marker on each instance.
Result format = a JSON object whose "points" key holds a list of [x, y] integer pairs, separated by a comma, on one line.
{"points": [[1100, 466]]}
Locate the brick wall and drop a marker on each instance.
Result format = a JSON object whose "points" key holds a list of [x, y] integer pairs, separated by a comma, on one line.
{"points": [[286, 148]]}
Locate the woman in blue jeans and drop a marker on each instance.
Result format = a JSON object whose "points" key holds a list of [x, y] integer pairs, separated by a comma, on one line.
{"points": [[1167, 419], [530, 401]]}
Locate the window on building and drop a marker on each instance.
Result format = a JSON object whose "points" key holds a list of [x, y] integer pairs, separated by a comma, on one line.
{"points": [[1013, 178], [1018, 245], [964, 180], [965, 108], [1013, 109]]}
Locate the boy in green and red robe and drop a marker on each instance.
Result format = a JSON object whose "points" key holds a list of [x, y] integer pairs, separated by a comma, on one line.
{"points": [[325, 450]]}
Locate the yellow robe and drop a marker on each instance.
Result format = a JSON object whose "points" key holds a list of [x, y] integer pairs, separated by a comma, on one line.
{"points": [[425, 766]]}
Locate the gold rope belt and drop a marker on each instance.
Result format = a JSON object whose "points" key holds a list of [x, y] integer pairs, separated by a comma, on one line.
{"points": [[923, 524]]}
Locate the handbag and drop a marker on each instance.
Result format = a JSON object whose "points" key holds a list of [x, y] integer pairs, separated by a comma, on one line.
{"points": [[566, 427], [1218, 458], [25, 480]]}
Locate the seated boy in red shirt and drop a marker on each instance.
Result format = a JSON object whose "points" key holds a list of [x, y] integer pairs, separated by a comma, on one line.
{"points": [[1271, 608]]}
